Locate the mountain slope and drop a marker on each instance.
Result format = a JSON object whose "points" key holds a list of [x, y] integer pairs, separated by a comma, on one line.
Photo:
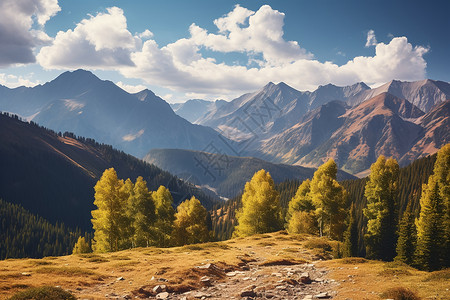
{"points": [[193, 109], [80, 102], [355, 137], [53, 176], [225, 175]]}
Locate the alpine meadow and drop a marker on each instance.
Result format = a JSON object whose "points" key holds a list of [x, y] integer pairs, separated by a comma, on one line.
{"points": [[191, 150]]}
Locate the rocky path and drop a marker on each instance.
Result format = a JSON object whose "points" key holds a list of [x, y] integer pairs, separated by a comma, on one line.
{"points": [[257, 281]]}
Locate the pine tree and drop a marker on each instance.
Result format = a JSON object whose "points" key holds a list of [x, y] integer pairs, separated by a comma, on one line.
{"points": [[109, 218], [142, 209], [261, 209], [165, 216], [81, 246], [329, 199], [382, 209], [407, 239], [351, 235], [300, 217], [190, 223], [430, 228]]}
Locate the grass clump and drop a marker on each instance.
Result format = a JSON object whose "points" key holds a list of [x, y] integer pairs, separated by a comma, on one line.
{"points": [[443, 275], [400, 293], [71, 271], [353, 260], [319, 243], [394, 272], [43, 293], [97, 260]]}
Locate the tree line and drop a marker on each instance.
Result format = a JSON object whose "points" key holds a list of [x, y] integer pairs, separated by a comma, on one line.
{"points": [[129, 215], [321, 206]]}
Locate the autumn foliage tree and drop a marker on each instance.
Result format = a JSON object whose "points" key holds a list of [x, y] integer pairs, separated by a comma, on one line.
{"points": [[261, 209], [329, 199], [381, 192], [165, 216], [190, 223], [109, 219], [81, 246], [300, 217]]}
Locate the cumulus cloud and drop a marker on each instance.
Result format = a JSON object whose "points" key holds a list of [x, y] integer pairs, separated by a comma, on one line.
{"points": [[146, 34], [132, 136], [371, 39], [13, 81], [104, 42], [131, 88], [100, 42], [18, 37]]}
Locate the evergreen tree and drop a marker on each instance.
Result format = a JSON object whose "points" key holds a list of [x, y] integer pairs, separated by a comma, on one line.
{"points": [[382, 209], [300, 217], [261, 209], [430, 228], [143, 210], [109, 217], [351, 235], [165, 216], [407, 239], [190, 223], [81, 246], [329, 199]]}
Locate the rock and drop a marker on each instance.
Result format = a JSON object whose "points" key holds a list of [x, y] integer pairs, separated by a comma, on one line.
{"points": [[277, 274], [159, 288], [120, 279], [163, 295], [322, 296], [205, 281], [251, 294], [25, 274], [200, 295], [304, 278], [231, 274], [308, 297]]}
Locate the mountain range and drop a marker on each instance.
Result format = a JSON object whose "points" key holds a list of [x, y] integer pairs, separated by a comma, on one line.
{"points": [[81, 103], [352, 124], [222, 174]]}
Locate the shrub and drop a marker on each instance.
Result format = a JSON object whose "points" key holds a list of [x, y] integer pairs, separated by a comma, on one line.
{"points": [[43, 293], [400, 293]]}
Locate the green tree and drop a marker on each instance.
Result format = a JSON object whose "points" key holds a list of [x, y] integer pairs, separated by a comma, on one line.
{"points": [[329, 199], [81, 246], [407, 238], [351, 235], [165, 216], [261, 209], [430, 228], [300, 217], [142, 209], [109, 218], [190, 223], [382, 209]]}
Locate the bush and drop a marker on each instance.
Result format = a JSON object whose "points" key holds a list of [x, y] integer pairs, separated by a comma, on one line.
{"points": [[400, 293], [43, 293]]}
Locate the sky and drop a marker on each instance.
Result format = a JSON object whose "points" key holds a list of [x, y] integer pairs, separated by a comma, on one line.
{"points": [[221, 49]]}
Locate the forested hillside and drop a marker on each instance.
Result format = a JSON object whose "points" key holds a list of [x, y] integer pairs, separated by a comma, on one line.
{"points": [[411, 179], [53, 174], [24, 234]]}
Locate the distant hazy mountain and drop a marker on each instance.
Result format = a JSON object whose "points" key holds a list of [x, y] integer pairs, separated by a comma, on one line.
{"points": [[424, 94], [193, 109], [355, 137], [80, 102], [54, 176], [222, 174]]}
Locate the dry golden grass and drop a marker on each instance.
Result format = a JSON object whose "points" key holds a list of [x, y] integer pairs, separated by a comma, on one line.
{"points": [[91, 276]]}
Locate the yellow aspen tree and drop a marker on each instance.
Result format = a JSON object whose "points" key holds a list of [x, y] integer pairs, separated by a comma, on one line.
{"points": [[165, 216], [190, 223]]}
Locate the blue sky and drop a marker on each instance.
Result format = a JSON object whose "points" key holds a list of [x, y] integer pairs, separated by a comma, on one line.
{"points": [[221, 49]]}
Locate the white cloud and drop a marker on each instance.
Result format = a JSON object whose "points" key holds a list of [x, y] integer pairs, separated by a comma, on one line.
{"points": [[100, 42], [146, 34], [371, 39], [13, 81], [183, 67], [17, 38], [131, 88]]}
